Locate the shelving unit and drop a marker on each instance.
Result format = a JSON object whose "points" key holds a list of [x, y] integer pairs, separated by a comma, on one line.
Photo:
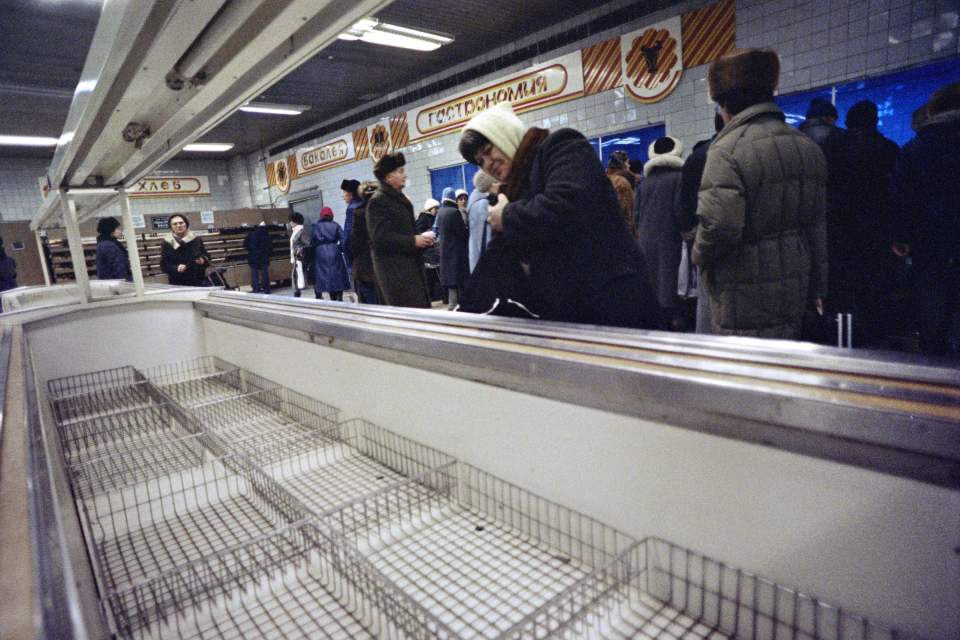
{"points": [[225, 246], [251, 511]]}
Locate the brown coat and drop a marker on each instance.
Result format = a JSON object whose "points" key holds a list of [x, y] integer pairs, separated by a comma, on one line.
{"points": [[625, 196], [397, 262]]}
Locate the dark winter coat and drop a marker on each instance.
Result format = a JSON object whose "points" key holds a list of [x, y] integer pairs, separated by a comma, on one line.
{"points": [[360, 246], [658, 225], [348, 223], [454, 247], [564, 221], [112, 261], [396, 259], [762, 240], [858, 234], [692, 175], [259, 246], [8, 271], [329, 266], [925, 192], [174, 252], [431, 255]]}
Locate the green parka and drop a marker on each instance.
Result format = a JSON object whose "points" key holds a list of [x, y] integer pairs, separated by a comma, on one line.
{"points": [[762, 241]]}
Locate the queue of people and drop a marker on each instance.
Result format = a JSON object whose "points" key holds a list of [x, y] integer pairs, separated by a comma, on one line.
{"points": [[761, 228]]}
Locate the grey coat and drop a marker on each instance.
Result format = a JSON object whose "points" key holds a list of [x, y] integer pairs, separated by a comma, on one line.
{"points": [[396, 260], [659, 211], [762, 238], [454, 240]]}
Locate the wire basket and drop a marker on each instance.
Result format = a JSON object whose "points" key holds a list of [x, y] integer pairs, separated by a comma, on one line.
{"points": [[363, 459], [301, 581], [657, 589], [478, 553], [269, 425], [205, 380], [85, 383], [148, 527], [100, 393]]}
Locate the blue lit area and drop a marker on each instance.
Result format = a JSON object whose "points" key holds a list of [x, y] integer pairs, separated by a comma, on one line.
{"points": [[897, 96], [635, 143], [459, 176]]}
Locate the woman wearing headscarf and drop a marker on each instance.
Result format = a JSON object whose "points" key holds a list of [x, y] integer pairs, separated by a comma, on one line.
{"points": [[112, 260], [364, 278], [182, 255], [659, 217], [558, 220], [329, 266], [299, 243], [427, 221]]}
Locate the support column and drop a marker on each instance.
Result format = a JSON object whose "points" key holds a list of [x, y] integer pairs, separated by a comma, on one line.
{"points": [[47, 279], [69, 208], [133, 250]]}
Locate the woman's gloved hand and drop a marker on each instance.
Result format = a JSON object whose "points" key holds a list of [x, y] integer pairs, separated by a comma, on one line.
{"points": [[495, 213]]}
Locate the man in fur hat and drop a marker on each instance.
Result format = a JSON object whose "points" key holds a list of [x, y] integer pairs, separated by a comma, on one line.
{"points": [[394, 243], [353, 198], [761, 241]]}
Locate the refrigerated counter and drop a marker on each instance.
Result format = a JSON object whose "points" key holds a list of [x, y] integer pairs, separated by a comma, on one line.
{"points": [[765, 489]]}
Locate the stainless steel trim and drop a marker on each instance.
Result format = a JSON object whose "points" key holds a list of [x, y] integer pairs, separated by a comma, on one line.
{"points": [[904, 422], [65, 589]]}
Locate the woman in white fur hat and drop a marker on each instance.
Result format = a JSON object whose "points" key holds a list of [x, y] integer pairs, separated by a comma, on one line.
{"points": [[558, 216], [659, 212]]}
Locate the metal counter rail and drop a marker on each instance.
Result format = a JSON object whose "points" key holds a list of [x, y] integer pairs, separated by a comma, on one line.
{"points": [[887, 412]]}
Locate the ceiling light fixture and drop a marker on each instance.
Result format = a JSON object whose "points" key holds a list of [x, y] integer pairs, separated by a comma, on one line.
{"points": [[376, 32], [209, 146], [274, 109], [28, 141]]}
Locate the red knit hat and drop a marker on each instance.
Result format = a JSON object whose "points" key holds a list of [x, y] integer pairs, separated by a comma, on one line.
{"points": [[326, 213]]}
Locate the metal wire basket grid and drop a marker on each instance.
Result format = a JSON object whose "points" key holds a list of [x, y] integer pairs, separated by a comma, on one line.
{"points": [[364, 459], [300, 581], [478, 553], [270, 425], [106, 401], [143, 529], [657, 589], [185, 370], [84, 383]]}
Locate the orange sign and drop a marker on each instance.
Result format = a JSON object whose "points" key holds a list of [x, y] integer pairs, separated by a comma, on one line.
{"points": [[654, 61], [172, 187]]}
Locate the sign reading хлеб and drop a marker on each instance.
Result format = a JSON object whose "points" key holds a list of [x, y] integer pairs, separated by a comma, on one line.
{"points": [[171, 187]]}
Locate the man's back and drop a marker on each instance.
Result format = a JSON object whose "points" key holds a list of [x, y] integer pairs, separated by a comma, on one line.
{"points": [[762, 235]]}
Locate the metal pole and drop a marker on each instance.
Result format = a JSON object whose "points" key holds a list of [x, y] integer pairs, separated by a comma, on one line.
{"points": [[43, 259], [133, 251], [850, 331], [69, 208], [840, 330]]}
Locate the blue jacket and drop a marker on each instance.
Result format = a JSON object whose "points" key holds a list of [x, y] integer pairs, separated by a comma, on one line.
{"points": [[8, 271], [477, 207], [348, 229], [112, 261], [329, 268], [925, 191], [259, 246]]}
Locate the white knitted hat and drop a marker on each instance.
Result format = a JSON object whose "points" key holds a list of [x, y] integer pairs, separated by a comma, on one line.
{"points": [[430, 204], [501, 126]]}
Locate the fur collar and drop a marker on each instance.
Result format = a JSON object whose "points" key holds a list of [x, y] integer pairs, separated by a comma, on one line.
{"points": [[944, 117], [522, 163], [666, 161], [175, 242]]}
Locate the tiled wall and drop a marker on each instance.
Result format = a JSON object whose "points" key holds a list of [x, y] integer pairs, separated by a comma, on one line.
{"points": [[820, 42], [20, 188]]}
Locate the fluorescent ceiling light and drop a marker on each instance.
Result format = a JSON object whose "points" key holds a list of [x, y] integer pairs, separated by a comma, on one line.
{"points": [[208, 146], [376, 32], [28, 141], [274, 109]]}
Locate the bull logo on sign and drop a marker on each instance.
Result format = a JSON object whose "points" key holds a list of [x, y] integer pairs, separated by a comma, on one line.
{"points": [[379, 142], [653, 62], [283, 176]]}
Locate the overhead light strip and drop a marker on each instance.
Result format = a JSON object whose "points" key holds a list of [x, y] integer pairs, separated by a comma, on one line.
{"points": [[208, 146], [28, 141], [273, 109], [391, 35]]}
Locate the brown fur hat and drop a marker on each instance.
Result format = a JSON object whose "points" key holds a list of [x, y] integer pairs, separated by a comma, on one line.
{"points": [[753, 69], [388, 164]]}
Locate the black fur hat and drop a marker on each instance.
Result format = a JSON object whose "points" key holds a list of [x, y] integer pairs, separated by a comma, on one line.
{"points": [[744, 69], [388, 164], [350, 186]]}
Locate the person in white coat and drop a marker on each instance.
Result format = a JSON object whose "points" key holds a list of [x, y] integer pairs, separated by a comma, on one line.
{"points": [[299, 241]]}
